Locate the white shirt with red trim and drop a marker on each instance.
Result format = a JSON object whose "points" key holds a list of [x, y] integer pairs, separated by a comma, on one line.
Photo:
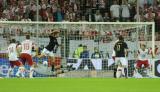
{"points": [[12, 52], [27, 46], [143, 54]]}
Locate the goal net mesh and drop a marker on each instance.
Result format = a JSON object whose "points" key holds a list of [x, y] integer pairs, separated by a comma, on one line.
{"points": [[79, 43]]}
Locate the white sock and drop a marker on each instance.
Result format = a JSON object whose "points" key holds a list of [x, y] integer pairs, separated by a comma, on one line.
{"points": [[18, 72], [22, 71], [123, 73], [137, 74], [9, 72], [148, 72], [119, 72], [31, 72]]}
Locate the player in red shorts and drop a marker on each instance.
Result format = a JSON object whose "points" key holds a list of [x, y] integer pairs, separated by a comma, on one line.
{"points": [[26, 54], [143, 53], [13, 59]]}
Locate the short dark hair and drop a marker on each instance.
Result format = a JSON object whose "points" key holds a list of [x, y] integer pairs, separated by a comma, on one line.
{"points": [[13, 41], [121, 38], [27, 36], [80, 45]]}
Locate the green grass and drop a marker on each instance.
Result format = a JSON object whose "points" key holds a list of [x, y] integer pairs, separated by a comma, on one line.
{"points": [[79, 85]]}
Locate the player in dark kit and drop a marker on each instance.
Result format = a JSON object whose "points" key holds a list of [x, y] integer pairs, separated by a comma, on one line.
{"points": [[49, 51], [121, 52]]}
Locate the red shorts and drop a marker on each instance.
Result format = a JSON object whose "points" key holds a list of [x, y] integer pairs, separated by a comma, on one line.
{"points": [[26, 58], [142, 62], [15, 63]]}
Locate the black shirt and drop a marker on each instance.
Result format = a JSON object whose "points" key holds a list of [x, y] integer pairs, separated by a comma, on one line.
{"points": [[52, 44], [119, 48]]}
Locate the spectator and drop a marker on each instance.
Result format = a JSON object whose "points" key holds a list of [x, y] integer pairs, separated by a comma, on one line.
{"points": [[32, 11], [142, 3], [157, 20], [90, 16], [115, 11], [25, 18], [6, 12], [85, 52], [83, 19], [3, 18], [125, 11], [102, 4], [66, 19], [106, 17], [75, 9], [43, 11], [139, 17], [58, 15], [132, 11], [1, 14], [98, 17], [94, 4], [149, 16], [49, 14], [71, 14], [96, 54]]}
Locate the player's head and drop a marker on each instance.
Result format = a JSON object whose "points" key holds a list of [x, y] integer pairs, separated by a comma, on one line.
{"points": [[143, 46], [115, 1], [18, 42], [121, 38], [27, 36], [96, 49], [13, 41], [55, 33], [80, 45], [84, 48], [156, 46]]}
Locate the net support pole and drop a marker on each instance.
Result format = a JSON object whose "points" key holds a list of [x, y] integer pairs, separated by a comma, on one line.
{"points": [[153, 48], [64, 43], [153, 39], [145, 34]]}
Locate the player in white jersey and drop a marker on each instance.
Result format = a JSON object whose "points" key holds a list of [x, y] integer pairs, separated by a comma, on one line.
{"points": [[25, 55], [143, 53], [13, 59]]}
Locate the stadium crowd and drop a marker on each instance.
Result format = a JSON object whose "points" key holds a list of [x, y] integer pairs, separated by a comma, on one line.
{"points": [[82, 10], [79, 10]]}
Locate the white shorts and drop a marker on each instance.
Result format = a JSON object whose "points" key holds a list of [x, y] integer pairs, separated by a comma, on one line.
{"points": [[113, 54], [47, 53], [13, 58], [121, 60]]}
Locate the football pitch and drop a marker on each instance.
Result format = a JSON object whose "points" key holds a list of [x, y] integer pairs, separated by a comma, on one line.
{"points": [[79, 85]]}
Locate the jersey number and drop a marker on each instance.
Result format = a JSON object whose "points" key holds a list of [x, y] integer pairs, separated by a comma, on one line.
{"points": [[118, 47], [26, 46]]}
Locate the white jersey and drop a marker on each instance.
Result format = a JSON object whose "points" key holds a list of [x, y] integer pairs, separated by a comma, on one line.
{"points": [[27, 46], [143, 55], [12, 52]]}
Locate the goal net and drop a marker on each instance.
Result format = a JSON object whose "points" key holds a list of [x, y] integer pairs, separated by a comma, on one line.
{"points": [[87, 46]]}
